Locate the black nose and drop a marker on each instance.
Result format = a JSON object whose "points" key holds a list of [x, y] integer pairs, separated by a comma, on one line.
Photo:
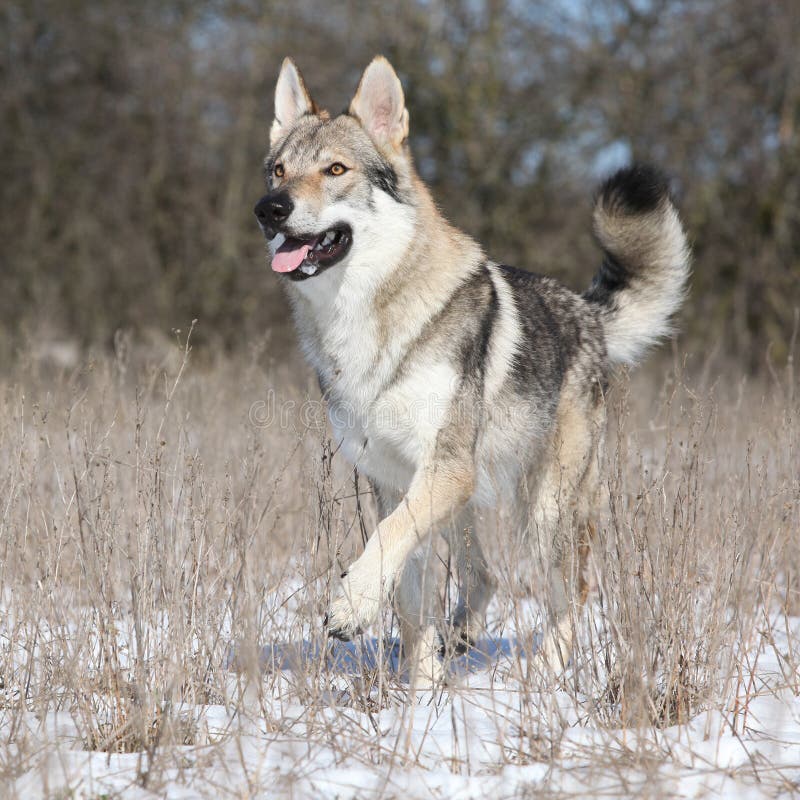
{"points": [[273, 209]]}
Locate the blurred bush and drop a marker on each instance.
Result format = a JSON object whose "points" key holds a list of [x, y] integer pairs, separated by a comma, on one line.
{"points": [[133, 134]]}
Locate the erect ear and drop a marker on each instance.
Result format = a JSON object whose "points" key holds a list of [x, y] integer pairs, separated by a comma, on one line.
{"points": [[380, 106], [292, 100]]}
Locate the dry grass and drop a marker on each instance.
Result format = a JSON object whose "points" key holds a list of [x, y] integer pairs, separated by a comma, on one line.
{"points": [[150, 524]]}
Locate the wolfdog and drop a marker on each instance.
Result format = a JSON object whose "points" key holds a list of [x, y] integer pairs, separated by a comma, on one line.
{"points": [[454, 383]]}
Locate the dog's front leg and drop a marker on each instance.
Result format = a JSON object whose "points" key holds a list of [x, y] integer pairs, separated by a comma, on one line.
{"points": [[437, 491]]}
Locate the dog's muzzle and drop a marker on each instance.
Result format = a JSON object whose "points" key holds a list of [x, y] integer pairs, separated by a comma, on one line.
{"points": [[272, 211]]}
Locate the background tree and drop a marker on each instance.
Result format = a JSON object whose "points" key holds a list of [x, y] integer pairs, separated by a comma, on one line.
{"points": [[133, 134]]}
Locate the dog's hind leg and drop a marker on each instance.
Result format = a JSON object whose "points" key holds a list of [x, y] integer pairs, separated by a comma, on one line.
{"points": [[569, 588], [476, 584], [567, 497]]}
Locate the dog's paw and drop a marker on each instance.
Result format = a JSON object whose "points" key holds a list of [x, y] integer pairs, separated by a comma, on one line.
{"points": [[340, 629], [355, 605], [462, 632], [457, 643]]}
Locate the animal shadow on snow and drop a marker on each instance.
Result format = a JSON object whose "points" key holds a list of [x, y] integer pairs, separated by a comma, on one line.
{"points": [[354, 658]]}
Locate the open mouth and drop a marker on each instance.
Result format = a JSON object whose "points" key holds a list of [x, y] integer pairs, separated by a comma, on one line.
{"points": [[302, 257]]}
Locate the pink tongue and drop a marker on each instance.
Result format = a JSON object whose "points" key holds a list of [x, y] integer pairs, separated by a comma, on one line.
{"points": [[289, 259]]}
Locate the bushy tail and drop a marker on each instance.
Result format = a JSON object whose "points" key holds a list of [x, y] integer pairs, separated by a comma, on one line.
{"points": [[642, 280]]}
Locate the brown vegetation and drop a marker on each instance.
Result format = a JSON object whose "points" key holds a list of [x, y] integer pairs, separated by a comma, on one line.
{"points": [[151, 518]]}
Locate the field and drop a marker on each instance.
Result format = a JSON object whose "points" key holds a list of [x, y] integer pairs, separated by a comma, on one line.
{"points": [[169, 522]]}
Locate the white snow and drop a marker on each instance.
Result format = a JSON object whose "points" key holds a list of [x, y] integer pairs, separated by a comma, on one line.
{"points": [[496, 733]]}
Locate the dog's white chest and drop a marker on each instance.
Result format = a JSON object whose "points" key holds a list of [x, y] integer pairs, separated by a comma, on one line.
{"points": [[386, 427]]}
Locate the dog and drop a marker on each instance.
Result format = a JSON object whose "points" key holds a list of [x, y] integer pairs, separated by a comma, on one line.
{"points": [[454, 383]]}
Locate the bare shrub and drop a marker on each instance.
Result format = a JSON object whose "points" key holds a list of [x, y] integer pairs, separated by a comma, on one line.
{"points": [[159, 532]]}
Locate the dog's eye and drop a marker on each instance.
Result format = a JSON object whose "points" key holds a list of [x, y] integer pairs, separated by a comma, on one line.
{"points": [[336, 169], [278, 170]]}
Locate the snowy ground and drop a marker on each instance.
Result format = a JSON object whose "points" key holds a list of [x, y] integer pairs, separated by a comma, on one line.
{"points": [[160, 545], [324, 728]]}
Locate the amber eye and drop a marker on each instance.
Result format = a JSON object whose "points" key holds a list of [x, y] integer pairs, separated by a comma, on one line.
{"points": [[278, 170], [336, 169]]}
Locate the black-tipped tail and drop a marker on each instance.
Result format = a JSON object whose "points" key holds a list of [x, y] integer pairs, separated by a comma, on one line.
{"points": [[641, 281]]}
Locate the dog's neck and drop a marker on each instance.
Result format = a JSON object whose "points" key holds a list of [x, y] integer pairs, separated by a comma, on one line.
{"points": [[356, 323]]}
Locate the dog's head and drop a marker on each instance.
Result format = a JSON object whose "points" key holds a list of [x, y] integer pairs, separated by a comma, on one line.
{"points": [[338, 189]]}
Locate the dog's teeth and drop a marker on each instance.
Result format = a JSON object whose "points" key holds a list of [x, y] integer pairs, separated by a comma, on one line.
{"points": [[329, 236], [308, 269]]}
